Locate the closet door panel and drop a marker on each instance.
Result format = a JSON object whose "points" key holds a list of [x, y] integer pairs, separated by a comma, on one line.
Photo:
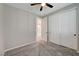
{"points": [[62, 28], [68, 29]]}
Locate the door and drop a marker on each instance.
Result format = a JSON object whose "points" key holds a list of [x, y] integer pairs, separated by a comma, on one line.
{"points": [[38, 29], [62, 28], [68, 29], [44, 28], [41, 29]]}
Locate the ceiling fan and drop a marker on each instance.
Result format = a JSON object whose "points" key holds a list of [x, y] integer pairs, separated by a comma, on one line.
{"points": [[42, 5]]}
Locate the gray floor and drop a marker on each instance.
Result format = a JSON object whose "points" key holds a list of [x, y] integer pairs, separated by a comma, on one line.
{"points": [[42, 49]]}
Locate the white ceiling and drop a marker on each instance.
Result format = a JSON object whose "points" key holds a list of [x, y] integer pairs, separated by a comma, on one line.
{"points": [[36, 9]]}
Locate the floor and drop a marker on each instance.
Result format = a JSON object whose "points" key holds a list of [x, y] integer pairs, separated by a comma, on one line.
{"points": [[42, 49]]}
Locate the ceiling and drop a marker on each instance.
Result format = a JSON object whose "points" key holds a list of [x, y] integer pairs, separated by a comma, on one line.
{"points": [[36, 9]]}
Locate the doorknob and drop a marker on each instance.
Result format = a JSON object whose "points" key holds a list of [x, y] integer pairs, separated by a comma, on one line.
{"points": [[74, 34]]}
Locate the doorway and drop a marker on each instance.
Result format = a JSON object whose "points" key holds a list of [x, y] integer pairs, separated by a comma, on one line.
{"points": [[41, 29]]}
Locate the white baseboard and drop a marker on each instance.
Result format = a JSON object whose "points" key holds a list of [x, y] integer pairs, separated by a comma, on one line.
{"points": [[19, 46]]}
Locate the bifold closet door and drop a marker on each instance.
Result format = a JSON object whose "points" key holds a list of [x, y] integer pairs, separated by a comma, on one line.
{"points": [[68, 29], [62, 28]]}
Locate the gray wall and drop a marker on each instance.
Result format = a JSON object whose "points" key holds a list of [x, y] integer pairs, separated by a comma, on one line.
{"points": [[19, 27], [77, 22], [1, 30]]}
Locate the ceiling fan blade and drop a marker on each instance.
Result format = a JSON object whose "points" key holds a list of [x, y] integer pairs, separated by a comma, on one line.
{"points": [[49, 5], [41, 8], [35, 4]]}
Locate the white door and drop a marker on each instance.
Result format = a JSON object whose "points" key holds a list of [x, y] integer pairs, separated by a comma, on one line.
{"points": [[38, 29], [44, 28], [41, 29], [62, 28], [68, 29]]}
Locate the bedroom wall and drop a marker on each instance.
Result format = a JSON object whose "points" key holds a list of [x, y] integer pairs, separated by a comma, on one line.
{"points": [[1, 30], [19, 27]]}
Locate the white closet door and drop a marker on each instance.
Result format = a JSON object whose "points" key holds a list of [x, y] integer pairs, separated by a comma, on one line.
{"points": [[62, 27], [68, 28]]}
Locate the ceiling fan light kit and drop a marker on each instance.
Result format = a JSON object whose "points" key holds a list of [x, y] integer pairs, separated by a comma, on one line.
{"points": [[42, 5]]}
